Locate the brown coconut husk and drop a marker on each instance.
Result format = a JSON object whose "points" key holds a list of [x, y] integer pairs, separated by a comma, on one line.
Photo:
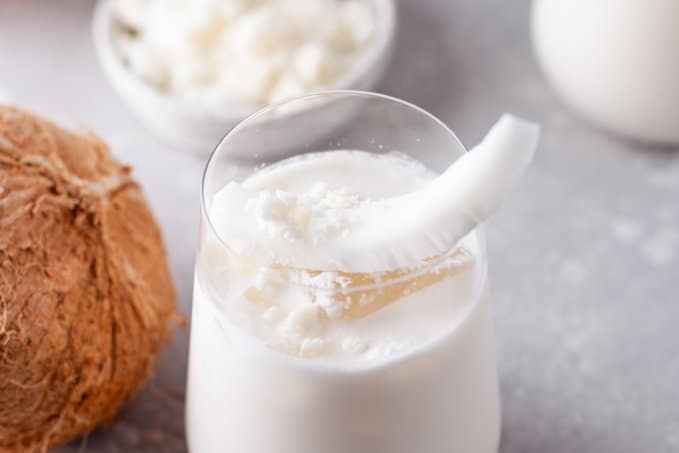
{"points": [[86, 297]]}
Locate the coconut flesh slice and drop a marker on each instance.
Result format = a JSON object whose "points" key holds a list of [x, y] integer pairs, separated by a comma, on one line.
{"points": [[400, 232]]}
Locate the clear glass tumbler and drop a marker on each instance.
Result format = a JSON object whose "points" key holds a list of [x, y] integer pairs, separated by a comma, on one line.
{"points": [[244, 396]]}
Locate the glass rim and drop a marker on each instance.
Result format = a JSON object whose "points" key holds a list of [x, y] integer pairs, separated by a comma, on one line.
{"points": [[416, 269]]}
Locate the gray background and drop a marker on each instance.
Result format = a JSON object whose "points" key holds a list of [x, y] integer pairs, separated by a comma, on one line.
{"points": [[584, 259]]}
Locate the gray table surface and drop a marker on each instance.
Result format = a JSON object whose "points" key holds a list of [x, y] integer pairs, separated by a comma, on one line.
{"points": [[584, 259]]}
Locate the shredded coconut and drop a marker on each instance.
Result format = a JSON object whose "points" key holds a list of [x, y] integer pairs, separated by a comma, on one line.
{"points": [[256, 51], [318, 214], [330, 304]]}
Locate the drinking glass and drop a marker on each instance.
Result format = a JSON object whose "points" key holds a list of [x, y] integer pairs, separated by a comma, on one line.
{"points": [[246, 397]]}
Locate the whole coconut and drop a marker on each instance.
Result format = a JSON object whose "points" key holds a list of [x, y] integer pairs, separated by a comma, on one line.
{"points": [[86, 298]]}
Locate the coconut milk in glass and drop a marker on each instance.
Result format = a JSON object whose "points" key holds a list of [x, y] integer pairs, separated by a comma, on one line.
{"points": [[293, 360]]}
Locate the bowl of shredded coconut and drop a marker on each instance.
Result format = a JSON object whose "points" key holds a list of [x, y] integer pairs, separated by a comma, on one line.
{"points": [[192, 70]]}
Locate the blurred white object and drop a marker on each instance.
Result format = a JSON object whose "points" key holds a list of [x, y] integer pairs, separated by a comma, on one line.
{"points": [[615, 61], [192, 95]]}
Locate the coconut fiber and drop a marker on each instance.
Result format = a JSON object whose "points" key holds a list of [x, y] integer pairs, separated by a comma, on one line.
{"points": [[86, 298]]}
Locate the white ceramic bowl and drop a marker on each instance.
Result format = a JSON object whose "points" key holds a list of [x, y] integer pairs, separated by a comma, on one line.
{"points": [[190, 126]]}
